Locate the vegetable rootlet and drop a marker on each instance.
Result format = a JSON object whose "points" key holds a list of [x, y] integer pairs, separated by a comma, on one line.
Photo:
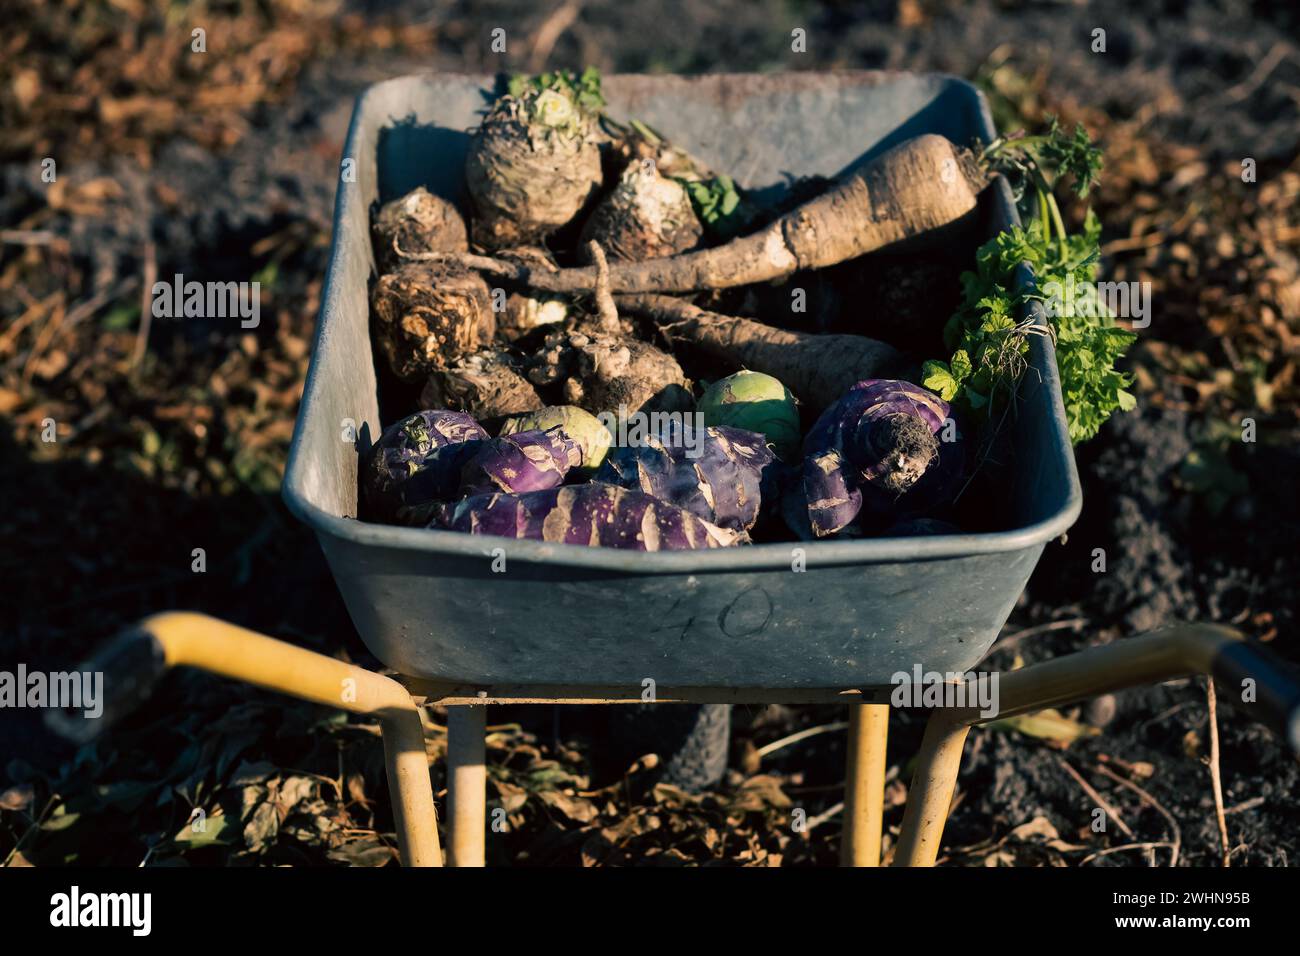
{"points": [[595, 514], [877, 455], [717, 474]]}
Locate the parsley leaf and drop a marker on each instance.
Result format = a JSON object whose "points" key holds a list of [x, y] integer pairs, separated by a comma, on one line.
{"points": [[990, 343], [987, 337]]}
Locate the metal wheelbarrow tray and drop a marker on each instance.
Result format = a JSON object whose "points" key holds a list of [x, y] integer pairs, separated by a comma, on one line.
{"points": [[429, 604]]}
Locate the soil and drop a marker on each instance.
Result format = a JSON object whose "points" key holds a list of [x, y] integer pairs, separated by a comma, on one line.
{"points": [[226, 170]]}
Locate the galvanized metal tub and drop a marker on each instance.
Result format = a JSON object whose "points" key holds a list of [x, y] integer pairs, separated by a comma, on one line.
{"points": [[429, 604]]}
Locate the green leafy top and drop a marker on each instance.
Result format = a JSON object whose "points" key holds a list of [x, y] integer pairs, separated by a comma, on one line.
{"points": [[1072, 155], [718, 204], [987, 336], [1028, 160], [581, 88]]}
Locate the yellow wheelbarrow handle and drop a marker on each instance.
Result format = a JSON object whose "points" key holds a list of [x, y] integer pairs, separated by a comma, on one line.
{"points": [[1265, 690], [138, 657]]}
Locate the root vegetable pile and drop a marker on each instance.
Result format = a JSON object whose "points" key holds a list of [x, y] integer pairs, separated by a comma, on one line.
{"points": [[915, 191], [612, 310]]}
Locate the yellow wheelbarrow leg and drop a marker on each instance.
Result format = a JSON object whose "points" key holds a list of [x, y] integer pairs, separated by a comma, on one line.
{"points": [[467, 784], [864, 785], [932, 788], [1163, 655], [196, 640]]}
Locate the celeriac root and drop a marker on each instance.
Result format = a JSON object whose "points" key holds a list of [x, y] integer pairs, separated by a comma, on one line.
{"points": [[428, 316], [532, 165], [646, 216], [486, 385], [609, 372], [417, 222]]}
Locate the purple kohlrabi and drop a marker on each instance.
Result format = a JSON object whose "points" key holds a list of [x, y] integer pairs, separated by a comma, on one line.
{"points": [[525, 461], [886, 450], [719, 474], [418, 461], [594, 514]]}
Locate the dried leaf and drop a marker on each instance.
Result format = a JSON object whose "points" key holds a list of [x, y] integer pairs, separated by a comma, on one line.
{"points": [[666, 793], [1042, 827], [512, 797], [575, 808], [1046, 725], [61, 819], [365, 852], [216, 829], [17, 798], [248, 774], [262, 827], [293, 791], [760, 793], [1038, 826]]}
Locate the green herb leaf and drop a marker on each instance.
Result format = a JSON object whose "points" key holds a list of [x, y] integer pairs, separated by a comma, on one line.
{"points": [[1072, 154], [718, 204], [987, 335], [938, 378], [991, 344]]}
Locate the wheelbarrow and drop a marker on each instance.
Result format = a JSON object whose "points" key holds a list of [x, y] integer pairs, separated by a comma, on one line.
{"points": [[139, 656], [827, 621]]}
